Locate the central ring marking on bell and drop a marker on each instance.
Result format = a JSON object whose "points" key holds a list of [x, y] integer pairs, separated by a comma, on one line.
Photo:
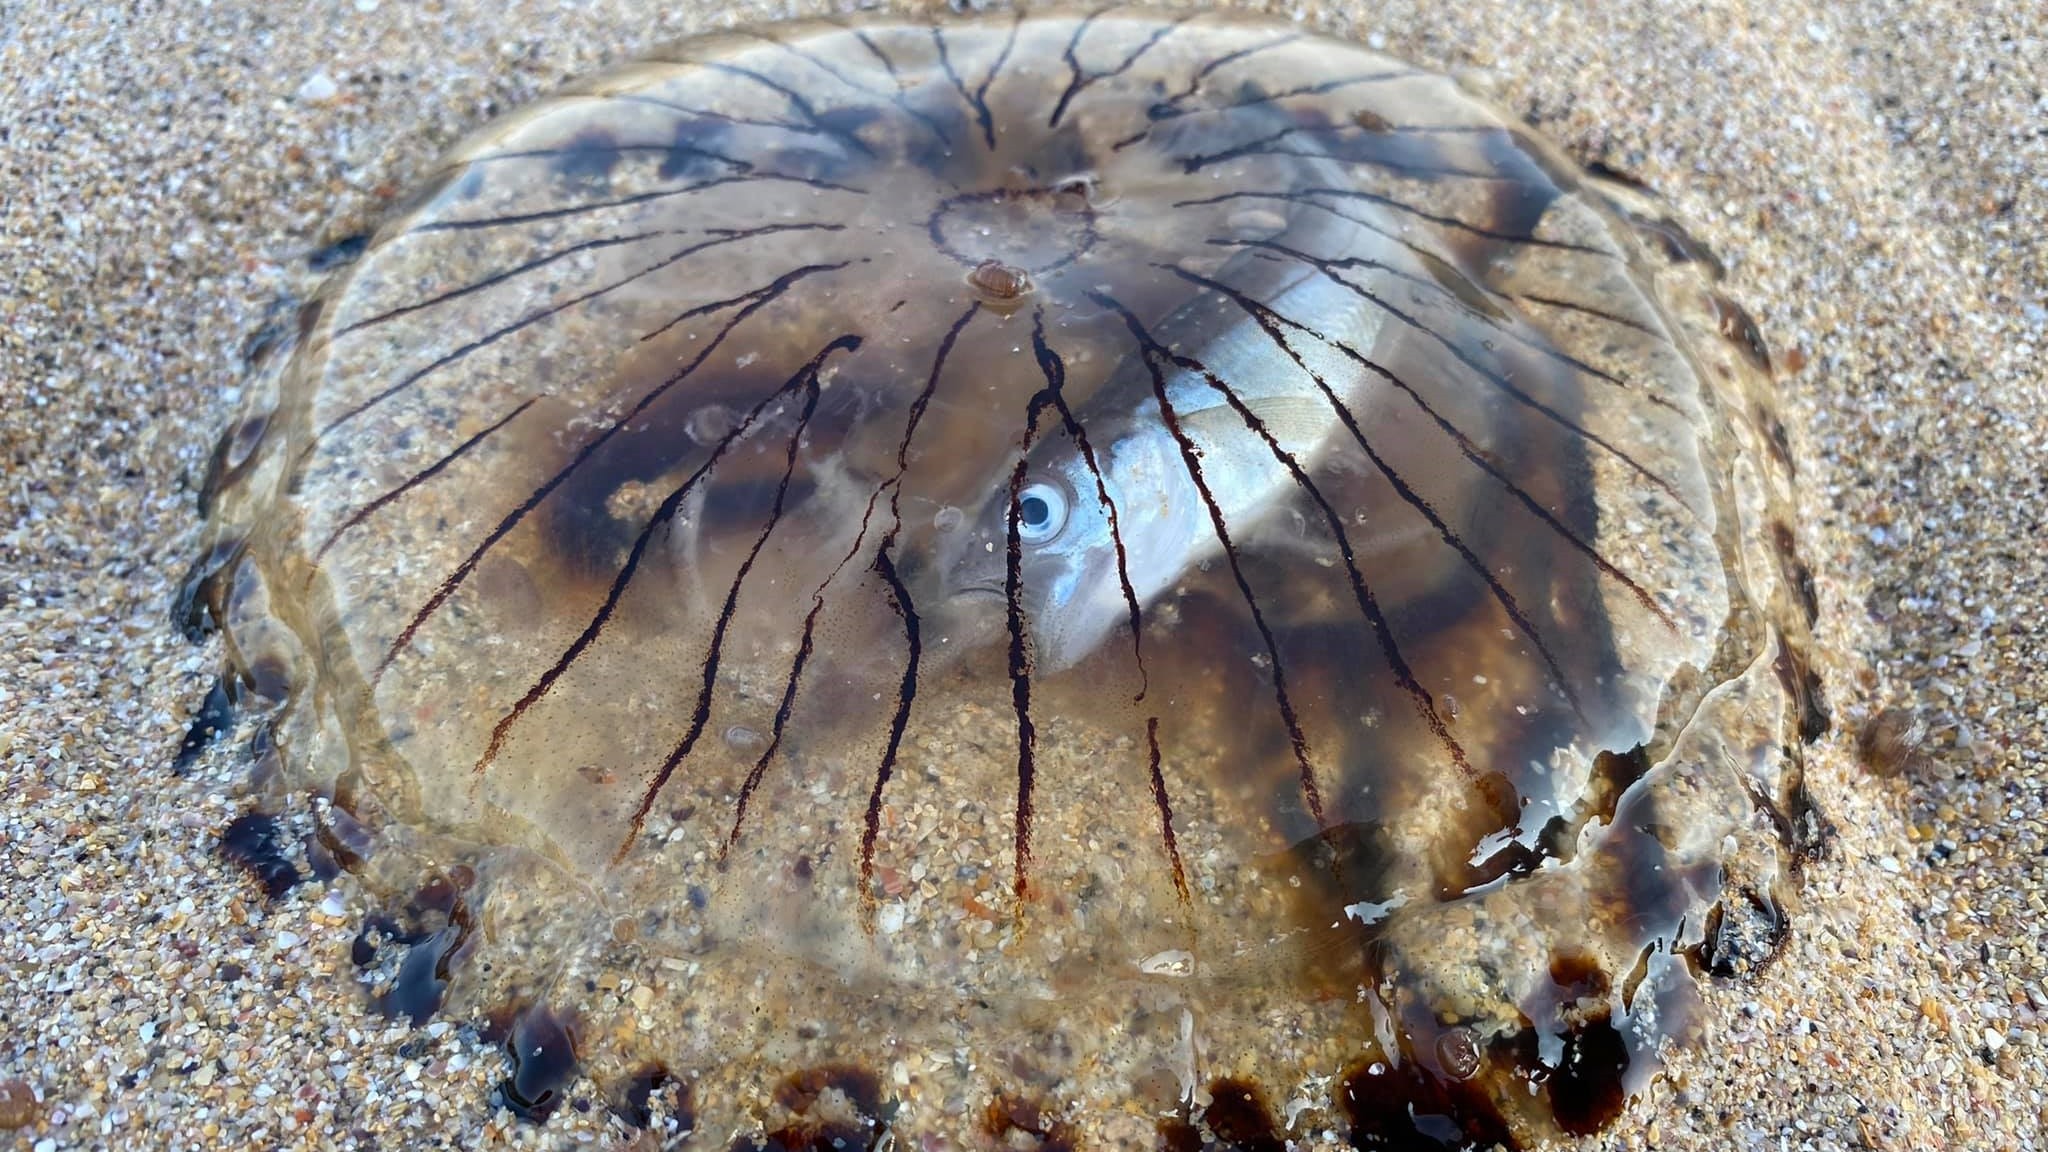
{"points": [[1039, 230]]}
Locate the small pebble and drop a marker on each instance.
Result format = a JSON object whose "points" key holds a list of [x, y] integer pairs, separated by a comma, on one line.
{"points": [[17, 1104], [318, 88]]}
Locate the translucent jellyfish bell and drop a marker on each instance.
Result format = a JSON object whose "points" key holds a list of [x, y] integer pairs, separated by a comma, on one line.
{"points": [[1129, 547]]}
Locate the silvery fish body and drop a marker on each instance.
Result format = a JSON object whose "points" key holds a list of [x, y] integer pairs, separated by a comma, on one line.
{"points": [[1243, 424]]}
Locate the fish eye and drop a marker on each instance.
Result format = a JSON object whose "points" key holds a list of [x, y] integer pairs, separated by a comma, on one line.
{"points": [[1041, 512]]}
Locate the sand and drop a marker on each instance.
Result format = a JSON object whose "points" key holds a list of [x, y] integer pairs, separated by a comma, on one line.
{"points": [[1872, 174]]}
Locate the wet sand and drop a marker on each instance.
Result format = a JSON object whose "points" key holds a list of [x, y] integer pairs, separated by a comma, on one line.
{"points": [[1871, 175]]}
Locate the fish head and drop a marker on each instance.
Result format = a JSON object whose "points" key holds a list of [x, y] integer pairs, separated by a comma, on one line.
{"points": [[1068, 593]]}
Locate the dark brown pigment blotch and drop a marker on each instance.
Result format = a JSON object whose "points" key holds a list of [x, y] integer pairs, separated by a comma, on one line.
{"points": [[252, 841], [541, 1048]]}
